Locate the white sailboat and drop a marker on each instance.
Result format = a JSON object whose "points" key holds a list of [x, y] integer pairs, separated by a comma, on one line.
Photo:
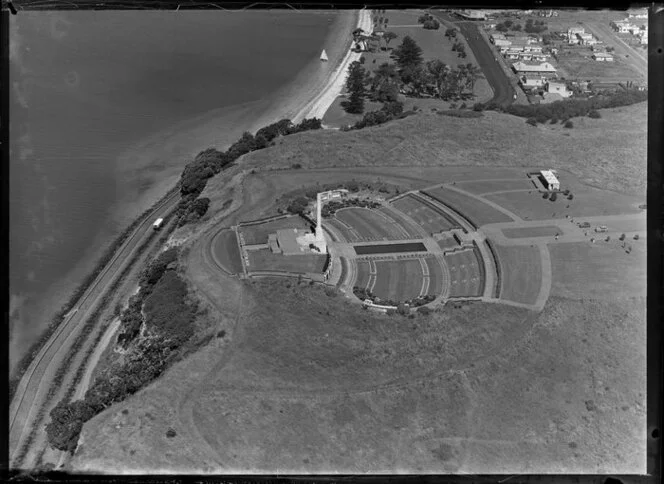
{"points": [[323, 56]]}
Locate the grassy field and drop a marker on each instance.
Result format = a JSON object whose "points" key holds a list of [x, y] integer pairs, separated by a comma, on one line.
{"points": [[581, 66], [414, 231], [257, 234], [343, 230], [474, 210], [370, 224], [363, 273], [521, 273], [465, 277], [543, 231], [599, 271], [398, 280], [227, 252], [587, 201], [480, 187], [431, 220], [435, 276], [265, 260], [609, 152]]}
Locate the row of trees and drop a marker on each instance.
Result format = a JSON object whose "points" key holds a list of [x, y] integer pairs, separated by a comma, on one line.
{"points": [[571, 108], [410, 75], [211, 161]]}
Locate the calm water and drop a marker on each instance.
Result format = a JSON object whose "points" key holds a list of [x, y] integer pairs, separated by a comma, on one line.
{"points": [[86, 85]]}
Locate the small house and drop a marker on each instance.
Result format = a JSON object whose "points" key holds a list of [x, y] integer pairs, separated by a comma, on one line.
{"points": [[602, 57], [531, 81], [560, 88]]}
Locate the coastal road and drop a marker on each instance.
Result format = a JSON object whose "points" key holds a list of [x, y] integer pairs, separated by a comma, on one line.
{"points": [[503, 93], [32, 393]]}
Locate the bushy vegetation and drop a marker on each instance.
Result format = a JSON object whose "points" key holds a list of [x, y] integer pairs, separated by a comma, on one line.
{"points": [[211, 161], [330, 208], [388, 112], [428, 22], [535, 27], [169, 320], [571, 108], [402, 306]]}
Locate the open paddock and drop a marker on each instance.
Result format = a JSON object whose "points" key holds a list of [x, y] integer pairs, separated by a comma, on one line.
{"points": [[587, 201], [428, 217], [265, 260], [371, 224], [465, 274], [476, 211], [398, 280], [257, 234], [603, 270], [542, 231], [480, 187], [521, 273]]}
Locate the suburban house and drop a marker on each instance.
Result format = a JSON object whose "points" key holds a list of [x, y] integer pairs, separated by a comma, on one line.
{"points": [[530, 81], [540, 57], [522, 39], [502, 43], [496, 35], [504, 48], [544, 69], [558, 88], [603, 57], [638, 15], [513, 54]]}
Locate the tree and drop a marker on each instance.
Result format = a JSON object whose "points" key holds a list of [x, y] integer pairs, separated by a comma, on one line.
{"points": [[508, 23], [568, 124], [408, 54], [501, 27], [439, 74], [451, 33], [389, 36], [570, 196], [432, 24], [594, 114], [553, 197], [517, 27], [355, 86], [385, 83]]}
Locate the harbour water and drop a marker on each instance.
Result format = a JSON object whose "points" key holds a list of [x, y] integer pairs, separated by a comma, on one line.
{"points": [[106, 108]]}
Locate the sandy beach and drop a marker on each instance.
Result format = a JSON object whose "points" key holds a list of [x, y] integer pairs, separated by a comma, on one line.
{"points": [[148, 169]]}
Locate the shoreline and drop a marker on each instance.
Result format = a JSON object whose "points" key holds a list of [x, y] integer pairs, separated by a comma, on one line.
{"points": [[165, 153]]}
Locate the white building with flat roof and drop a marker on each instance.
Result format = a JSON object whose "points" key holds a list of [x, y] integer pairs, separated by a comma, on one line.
{"points": [[550, 179]]}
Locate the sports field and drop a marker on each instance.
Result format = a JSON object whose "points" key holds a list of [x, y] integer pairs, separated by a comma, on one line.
{"points": [[430, 219], [370, 224], [390, 248], [465, 274], [435, 276], [542, 231], [227, 252], [363, 273], [398, 280], [476, 211], [480, 187], [257, 234], [265, 260], [521, 272]]}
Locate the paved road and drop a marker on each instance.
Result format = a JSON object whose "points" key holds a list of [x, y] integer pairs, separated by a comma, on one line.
{"points": [[627, 54], [503, 93], [31, 393]]}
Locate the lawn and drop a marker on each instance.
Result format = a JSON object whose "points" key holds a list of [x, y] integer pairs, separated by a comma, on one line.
{"points": [[414, 231], [227, 252], [465, 274], [265, 260], [601, 271], [429, 218], [521, 273], [480, 187], [398, 280], [370, 224], [341, 229], [257, 234], [543, 231], [363, 273], [474, 210], [587, 201], [580, 65], [435, 276]]}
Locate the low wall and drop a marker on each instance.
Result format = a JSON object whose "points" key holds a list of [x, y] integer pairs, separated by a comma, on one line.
{"points": [[492, 249]]}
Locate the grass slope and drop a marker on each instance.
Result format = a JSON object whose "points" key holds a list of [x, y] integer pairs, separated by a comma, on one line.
{"points": [[609, 152], [521, 273]]}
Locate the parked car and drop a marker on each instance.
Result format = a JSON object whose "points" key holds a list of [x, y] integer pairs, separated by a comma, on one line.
{"points": [[601, 228], [584, 225]]}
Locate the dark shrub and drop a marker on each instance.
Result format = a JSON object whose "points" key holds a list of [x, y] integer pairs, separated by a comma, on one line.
{"points": [[568, 124], [594, 114], [296, 166], [170, 433], [545, 195], [531, 121], [553, 197], [570, 196]]}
